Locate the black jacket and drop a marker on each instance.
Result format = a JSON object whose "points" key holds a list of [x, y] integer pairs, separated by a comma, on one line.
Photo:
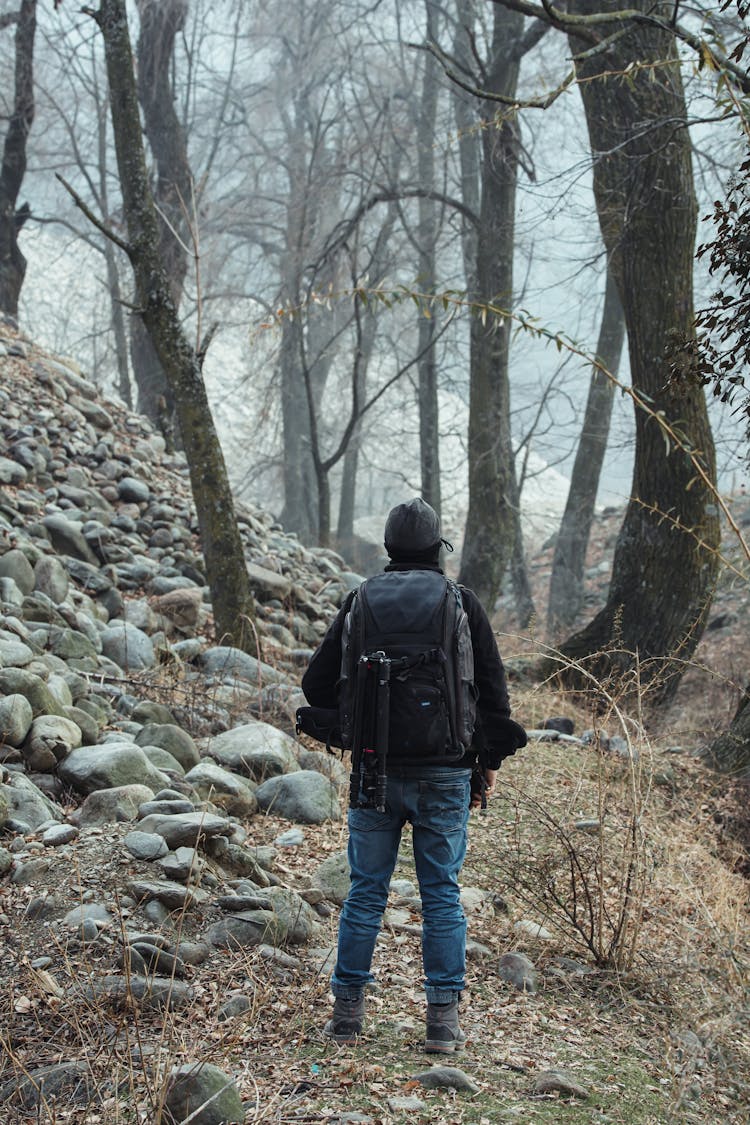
{"points": [[496, 736]]}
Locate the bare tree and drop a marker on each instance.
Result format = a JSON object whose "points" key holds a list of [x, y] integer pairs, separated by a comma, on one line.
{"points": [[161, 21], [232, 600], [492, 522], [426, 238], [13, 167]]}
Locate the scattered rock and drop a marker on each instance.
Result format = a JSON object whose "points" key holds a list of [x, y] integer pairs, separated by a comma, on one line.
{"points": [[305, 797], [441, 1077], [204, 1094], [560, 1082], [518, 970]]}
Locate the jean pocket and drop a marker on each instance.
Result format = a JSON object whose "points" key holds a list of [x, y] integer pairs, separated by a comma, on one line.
{"points": [[369, 820], [444, 803]]}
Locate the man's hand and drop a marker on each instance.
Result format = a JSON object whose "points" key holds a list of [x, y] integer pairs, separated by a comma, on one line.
{"points": [[490, 777]]}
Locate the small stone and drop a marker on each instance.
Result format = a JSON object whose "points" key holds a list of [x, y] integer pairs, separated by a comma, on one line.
{"points": [[533, 929], [560, 724], [591, 825], [58, 835], [145, 845], [558, 1081], [518, 970], [236, 1004], [450, 1077], [406, 1105], [292, 838]]}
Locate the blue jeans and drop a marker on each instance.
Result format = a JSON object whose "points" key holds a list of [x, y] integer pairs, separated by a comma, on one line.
{"points": [[437, 805]]}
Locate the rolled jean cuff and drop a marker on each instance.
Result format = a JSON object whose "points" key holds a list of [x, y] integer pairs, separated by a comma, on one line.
{"points": [[440, 995], [346, 991]]}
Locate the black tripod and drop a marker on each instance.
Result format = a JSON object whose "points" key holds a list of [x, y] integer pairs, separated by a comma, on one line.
{"points": [[368, 780]]}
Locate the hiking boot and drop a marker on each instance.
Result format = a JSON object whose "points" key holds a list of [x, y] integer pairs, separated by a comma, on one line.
{"points": [[444, 1036], [346, 1023]]}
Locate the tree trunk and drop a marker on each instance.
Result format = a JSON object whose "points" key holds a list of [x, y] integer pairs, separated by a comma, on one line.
{"points": [[666, 558], [467, 125], [300, 512], [119, 327], [378, 269], [730, 752], [223, 553], [566, 579], [427, 231], [161, 21], [489, 533], [13, 168], [523, 599]]}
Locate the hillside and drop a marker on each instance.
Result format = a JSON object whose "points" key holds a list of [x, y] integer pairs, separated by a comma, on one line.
{"points": [[171, 854]]}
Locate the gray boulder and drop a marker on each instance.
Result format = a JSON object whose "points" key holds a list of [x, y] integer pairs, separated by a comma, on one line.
{"points": [[13, 652], [26, 803], [50, 739], [305, 797], [171, 738], [65, 1083], [16, 717], [112, 806], [185, 829], [11, 472], [19, 681], [10, 595], [71, 644], [68, 539], [163, 760], [226, 662], [290, 921], [133, 491], [108, 766], [204, 1095], [223, 788], [15, 565], [255, 750], [128, 646], [51, 578], [518, 970], [332, 878]]}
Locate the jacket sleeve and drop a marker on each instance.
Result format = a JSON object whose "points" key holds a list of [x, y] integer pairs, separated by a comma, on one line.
{"points": [[321, 678], [497, 735]]}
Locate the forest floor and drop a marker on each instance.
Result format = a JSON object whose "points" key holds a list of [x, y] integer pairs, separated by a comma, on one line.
{"points": [[663, 1036], [635, 868]]}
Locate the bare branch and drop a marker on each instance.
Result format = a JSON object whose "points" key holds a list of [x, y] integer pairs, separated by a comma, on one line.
{"points": [[488, 95], [581, 24], [107, 231]]}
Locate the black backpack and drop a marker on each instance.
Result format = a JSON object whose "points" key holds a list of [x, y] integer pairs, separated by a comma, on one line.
{"points": [[414, 623]]}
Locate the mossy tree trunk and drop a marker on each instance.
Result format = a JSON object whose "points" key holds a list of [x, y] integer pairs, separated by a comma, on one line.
{"points": [[666, 554], [161, 21], [232, 600], [13, 167]]}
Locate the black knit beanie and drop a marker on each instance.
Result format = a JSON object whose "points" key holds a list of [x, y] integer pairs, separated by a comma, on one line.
{"points": [[412, 532]]}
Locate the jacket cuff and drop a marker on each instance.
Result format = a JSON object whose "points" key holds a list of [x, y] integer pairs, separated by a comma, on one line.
{"points": [[508, 736]]}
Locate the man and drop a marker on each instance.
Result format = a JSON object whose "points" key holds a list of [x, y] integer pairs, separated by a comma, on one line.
{"points": [[434, 798]]}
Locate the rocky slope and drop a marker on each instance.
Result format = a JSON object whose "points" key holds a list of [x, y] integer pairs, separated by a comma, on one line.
{"points": [[135, 750]]}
